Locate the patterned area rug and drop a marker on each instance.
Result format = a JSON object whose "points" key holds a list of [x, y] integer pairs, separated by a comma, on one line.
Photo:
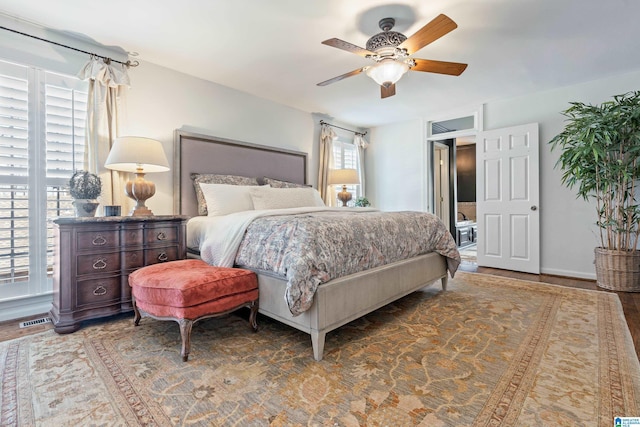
{"points": [[489, 351]]}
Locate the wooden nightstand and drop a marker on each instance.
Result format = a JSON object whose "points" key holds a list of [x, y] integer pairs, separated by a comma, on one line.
{"points": [[93, 259]]}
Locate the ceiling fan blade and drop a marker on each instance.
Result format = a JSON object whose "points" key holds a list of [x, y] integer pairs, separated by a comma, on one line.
{"points": [[349, 47], [343, 76], [440, 67], [386, 92], [431, 32]]}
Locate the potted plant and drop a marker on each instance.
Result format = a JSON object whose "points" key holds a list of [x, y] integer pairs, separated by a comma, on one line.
{"points": [[600, 150], [362, 202], [85, 187]]}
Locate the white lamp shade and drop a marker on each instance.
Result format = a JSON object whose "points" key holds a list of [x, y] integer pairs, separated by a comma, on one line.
{"points": [[343, 177], [130, 153], [387, 71]]}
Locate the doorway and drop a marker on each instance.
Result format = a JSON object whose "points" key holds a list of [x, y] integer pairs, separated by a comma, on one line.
{"points": [[506, 232], [442, 183], [465, 202], [454, 172], [451, 144]]}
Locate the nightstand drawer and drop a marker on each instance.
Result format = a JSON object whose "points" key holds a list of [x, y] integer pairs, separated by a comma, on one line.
{"points": [[156, 255], [97, 239], [97, 292], [132, 237], [98, 263], [132, 259], [168, 234]]}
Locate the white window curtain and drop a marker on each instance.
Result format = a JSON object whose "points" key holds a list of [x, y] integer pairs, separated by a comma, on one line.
{"points": [[361, 145], [108, 83], [327, 136]]}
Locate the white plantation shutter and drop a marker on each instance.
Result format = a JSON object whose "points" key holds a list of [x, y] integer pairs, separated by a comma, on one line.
{"points": [[42, 118], [14, 171], [345, 157], [65, 108]]}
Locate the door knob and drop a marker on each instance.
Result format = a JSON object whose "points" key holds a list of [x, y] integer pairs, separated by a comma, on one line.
{"points": [[534, 208]]}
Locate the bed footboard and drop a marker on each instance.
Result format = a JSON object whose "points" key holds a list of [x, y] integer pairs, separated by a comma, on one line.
{"points": [[345, 299]]}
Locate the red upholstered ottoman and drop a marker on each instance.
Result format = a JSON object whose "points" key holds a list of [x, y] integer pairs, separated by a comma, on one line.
{"points": [[191, 290]]}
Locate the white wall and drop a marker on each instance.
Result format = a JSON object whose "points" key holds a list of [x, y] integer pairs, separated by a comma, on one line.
{"points": [[395, 167], [568, 234], [568, 231], [162, 100]]}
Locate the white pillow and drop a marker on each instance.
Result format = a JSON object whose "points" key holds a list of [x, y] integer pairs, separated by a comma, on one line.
{"points": [[266, 197], [223, 199]]}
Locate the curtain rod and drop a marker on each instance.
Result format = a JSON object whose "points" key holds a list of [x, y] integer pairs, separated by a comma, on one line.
{"points": [[322, 122], [105, 58]]}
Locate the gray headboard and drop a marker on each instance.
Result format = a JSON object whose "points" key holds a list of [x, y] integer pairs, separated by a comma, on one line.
{"points": [[195, 153]]}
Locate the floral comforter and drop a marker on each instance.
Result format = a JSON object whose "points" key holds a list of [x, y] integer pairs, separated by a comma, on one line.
{"points": [[312, 248]]}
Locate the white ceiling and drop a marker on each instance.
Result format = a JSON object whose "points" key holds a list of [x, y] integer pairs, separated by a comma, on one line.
{"points": [[272, 49]]}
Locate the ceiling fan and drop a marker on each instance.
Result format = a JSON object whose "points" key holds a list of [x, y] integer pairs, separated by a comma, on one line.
{"points": [[391, 52]]}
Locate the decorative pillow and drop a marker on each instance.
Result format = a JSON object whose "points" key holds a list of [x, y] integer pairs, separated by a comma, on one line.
{"points": [[281, 198], [223, 199], [202, 178], [276, 183]]}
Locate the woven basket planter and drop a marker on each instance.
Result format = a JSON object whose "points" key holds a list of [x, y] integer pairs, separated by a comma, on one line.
{"points": [[618, 270]]}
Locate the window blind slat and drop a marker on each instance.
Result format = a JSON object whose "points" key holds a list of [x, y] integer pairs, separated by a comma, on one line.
{"points": [[61, 118]]}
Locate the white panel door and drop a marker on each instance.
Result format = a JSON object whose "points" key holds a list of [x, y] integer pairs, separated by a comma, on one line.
{"points": [[507, 205]]}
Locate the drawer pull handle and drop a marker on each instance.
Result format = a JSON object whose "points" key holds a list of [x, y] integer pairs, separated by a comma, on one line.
{"points": [[100, 290], [99, 264], [162, 236], [163, 257], [99, 240]]}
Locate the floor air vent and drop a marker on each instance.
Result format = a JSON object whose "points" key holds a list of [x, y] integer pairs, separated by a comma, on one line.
{"points": [[35, 322]]}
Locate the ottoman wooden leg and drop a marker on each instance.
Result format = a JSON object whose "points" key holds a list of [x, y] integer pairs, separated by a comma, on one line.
{"points": [[136, 319], [185, 334], [252, 317]]}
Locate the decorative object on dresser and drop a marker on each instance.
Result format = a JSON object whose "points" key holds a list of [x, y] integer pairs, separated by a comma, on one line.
{"points": [[112, 210], [344, 177], [600, 154], [141, 156], [85, 187], [94, 257]]}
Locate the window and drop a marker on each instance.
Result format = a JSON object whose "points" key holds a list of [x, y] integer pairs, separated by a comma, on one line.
{"points": [[42, 120], [345, 156]]}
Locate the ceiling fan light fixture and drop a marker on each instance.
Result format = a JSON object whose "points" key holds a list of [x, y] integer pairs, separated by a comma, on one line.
{"points": [[387, 71]]}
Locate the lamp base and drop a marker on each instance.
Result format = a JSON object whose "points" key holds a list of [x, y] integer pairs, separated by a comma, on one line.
{"points": [[344, 196], [141, 211], [140, 190]]}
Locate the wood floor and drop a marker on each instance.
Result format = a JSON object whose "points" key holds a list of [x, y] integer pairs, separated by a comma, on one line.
{"points": [[630, 302]]}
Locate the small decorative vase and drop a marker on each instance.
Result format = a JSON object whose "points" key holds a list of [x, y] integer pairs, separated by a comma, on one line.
{"points": [[85, 207]]}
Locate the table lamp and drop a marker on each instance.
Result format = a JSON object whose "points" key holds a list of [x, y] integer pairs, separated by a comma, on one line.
{"points": [[344, 177], [140, 156]]}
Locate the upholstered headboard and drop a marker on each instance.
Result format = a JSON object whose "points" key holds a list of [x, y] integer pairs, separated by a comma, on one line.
{"points": [[195, 153]]}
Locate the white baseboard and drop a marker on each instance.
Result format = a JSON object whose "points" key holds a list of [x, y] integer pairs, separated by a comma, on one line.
{"points": [[568, 273], [25, 307]]}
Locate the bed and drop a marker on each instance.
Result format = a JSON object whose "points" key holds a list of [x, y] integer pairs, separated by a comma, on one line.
{"points": [[335, 302]]}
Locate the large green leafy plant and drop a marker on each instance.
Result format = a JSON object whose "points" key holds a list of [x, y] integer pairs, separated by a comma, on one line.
{"points": [[600, 146]]}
